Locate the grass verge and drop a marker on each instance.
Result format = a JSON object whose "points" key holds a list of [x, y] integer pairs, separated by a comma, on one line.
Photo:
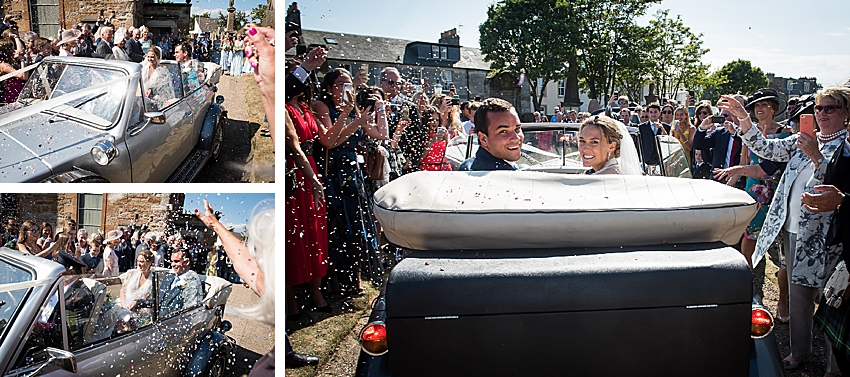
{"points": [[262, 157], [322, 333]]}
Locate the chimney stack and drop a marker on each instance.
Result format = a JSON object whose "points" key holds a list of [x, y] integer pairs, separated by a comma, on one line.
{"points": [[450, 37]]}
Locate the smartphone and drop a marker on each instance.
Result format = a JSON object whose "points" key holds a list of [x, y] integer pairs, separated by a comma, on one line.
{"points": [[691, 93], [348, 93], [300, 49], [807, 125], [616, 94], [719, 119], [456, 100]]}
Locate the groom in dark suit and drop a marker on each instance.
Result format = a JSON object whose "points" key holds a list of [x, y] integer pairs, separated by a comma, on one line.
{"points": [[181, 290]]}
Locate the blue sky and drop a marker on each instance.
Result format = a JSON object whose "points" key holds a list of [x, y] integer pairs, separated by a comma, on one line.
{"points": [[214, 6], [788, 38], [235, 208]]}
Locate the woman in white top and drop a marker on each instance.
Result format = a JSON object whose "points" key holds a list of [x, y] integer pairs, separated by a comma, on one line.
{"points": [[110, 259], [606, 147], [157, 80], [808, 260], [137, 283], [68, 42]]}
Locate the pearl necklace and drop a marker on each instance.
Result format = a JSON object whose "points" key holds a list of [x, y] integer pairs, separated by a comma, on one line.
{"points": [[830, 137]]}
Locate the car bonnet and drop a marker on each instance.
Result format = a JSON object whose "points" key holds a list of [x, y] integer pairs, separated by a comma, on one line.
{"points": [[32, 147]]}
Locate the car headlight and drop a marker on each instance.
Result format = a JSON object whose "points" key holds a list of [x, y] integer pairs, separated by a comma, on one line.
{"points": [[373, 339], [104, 152]]}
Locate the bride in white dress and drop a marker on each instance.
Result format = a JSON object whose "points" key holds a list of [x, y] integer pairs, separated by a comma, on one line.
{"points": [[137, 284], [606, 147]]}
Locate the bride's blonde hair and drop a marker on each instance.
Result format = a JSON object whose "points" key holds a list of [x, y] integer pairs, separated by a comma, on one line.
{"points": [[609, 130]]}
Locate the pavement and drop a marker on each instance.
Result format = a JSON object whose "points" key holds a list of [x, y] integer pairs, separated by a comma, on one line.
{"points": [[253, 338]]}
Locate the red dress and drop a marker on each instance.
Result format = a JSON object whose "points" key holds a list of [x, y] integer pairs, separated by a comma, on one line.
{"points": [[435, 157], [306, 225]]}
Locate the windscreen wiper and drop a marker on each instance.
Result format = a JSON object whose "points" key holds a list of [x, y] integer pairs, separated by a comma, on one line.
{"points": [[83, 102]]}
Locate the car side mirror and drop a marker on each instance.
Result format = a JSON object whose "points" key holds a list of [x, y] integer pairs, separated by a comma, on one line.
{"points": [[61, 358], [155, 117]]}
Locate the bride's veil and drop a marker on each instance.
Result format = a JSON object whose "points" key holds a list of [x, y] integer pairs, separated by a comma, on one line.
{"points": [[629, 161]]}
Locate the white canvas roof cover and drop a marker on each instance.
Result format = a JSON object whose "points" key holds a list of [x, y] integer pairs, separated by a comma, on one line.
{"points": [[524, 209]]}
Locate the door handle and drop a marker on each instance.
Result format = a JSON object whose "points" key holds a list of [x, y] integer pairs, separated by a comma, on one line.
{"points": [[159, 347]]}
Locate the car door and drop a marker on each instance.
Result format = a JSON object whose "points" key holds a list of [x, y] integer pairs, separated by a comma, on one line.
{"points": [[180, 317], [157, 149]]}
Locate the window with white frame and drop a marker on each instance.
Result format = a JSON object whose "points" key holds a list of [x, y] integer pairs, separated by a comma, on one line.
{"points": [[444, 52], [435, 52], [562, 88], [447, 76]]}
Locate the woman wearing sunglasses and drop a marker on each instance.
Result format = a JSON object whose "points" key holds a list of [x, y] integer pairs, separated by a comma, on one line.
{"points": [[809, 260]]}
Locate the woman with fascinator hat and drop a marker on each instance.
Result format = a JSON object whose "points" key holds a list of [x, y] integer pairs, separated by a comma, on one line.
{"points": [[762, 177], [809, 259]]}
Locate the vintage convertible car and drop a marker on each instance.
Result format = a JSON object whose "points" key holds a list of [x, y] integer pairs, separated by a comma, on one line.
{"points": [[92, 120], [54, 324], [541, 274], [553, 147]]}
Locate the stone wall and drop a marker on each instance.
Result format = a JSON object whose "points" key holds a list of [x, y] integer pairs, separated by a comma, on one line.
{"points": [[123, 12], [152, 209], [156, 210], [53, 208]]}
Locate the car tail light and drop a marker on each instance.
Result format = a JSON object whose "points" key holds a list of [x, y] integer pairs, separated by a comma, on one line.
{"points": [[373, 339], [762, 322]]}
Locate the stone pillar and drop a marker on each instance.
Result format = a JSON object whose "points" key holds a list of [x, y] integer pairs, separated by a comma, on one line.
{"points": [[230, 18]]}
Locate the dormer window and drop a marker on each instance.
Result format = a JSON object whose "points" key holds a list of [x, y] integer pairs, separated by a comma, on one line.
{"points": [[330, 41]]}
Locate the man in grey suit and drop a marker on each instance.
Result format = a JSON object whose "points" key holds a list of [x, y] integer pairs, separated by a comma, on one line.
{"points": [[182, 289], [133, 47], [104, 48]]}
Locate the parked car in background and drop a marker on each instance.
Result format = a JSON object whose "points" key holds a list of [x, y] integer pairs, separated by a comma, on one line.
{"points": [[69, 324], [92, 120], [511, 273]]}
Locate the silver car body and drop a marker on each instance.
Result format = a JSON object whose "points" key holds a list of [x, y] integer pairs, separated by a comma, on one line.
{"points": [[169, 346], [43, 135]]}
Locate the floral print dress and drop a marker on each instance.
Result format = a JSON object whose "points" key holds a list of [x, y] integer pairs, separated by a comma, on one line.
{"points": [[813, 261]]}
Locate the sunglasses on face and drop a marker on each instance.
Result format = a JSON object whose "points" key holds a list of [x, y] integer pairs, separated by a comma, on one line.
{"points": [[390, 82], [829, 109], [621, 102]]}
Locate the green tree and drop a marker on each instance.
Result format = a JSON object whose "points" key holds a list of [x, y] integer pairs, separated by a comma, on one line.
{"points": [[240, 19], [675, 52], [609, 40], [738, 76], [526, 37], [257, 14], [549, 40]]}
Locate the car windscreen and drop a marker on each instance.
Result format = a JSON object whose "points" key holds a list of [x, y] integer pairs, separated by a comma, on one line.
{"points": [[12, 294], [51, 81]]}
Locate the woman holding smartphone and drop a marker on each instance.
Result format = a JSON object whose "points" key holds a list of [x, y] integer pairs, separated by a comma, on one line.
{"points": [[351, 230], [809, 260], [762, 178]]}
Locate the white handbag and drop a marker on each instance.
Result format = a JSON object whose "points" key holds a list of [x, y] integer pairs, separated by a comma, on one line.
{"points": [[835, 286]]}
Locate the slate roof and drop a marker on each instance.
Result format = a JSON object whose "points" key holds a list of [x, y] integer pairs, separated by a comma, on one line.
{"points": [[207, 24], [373, 49]]}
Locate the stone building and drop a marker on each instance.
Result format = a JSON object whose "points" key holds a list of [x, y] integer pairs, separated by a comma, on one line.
{"points": [[792, 87], [426, 64], [48, 17], [96, 212]]}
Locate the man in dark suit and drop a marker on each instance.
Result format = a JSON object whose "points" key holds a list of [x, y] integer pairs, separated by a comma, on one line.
{"points": [[725, 147], [182, 289], [133, 47], [296, 81], [104, 47], [648, 131]]}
